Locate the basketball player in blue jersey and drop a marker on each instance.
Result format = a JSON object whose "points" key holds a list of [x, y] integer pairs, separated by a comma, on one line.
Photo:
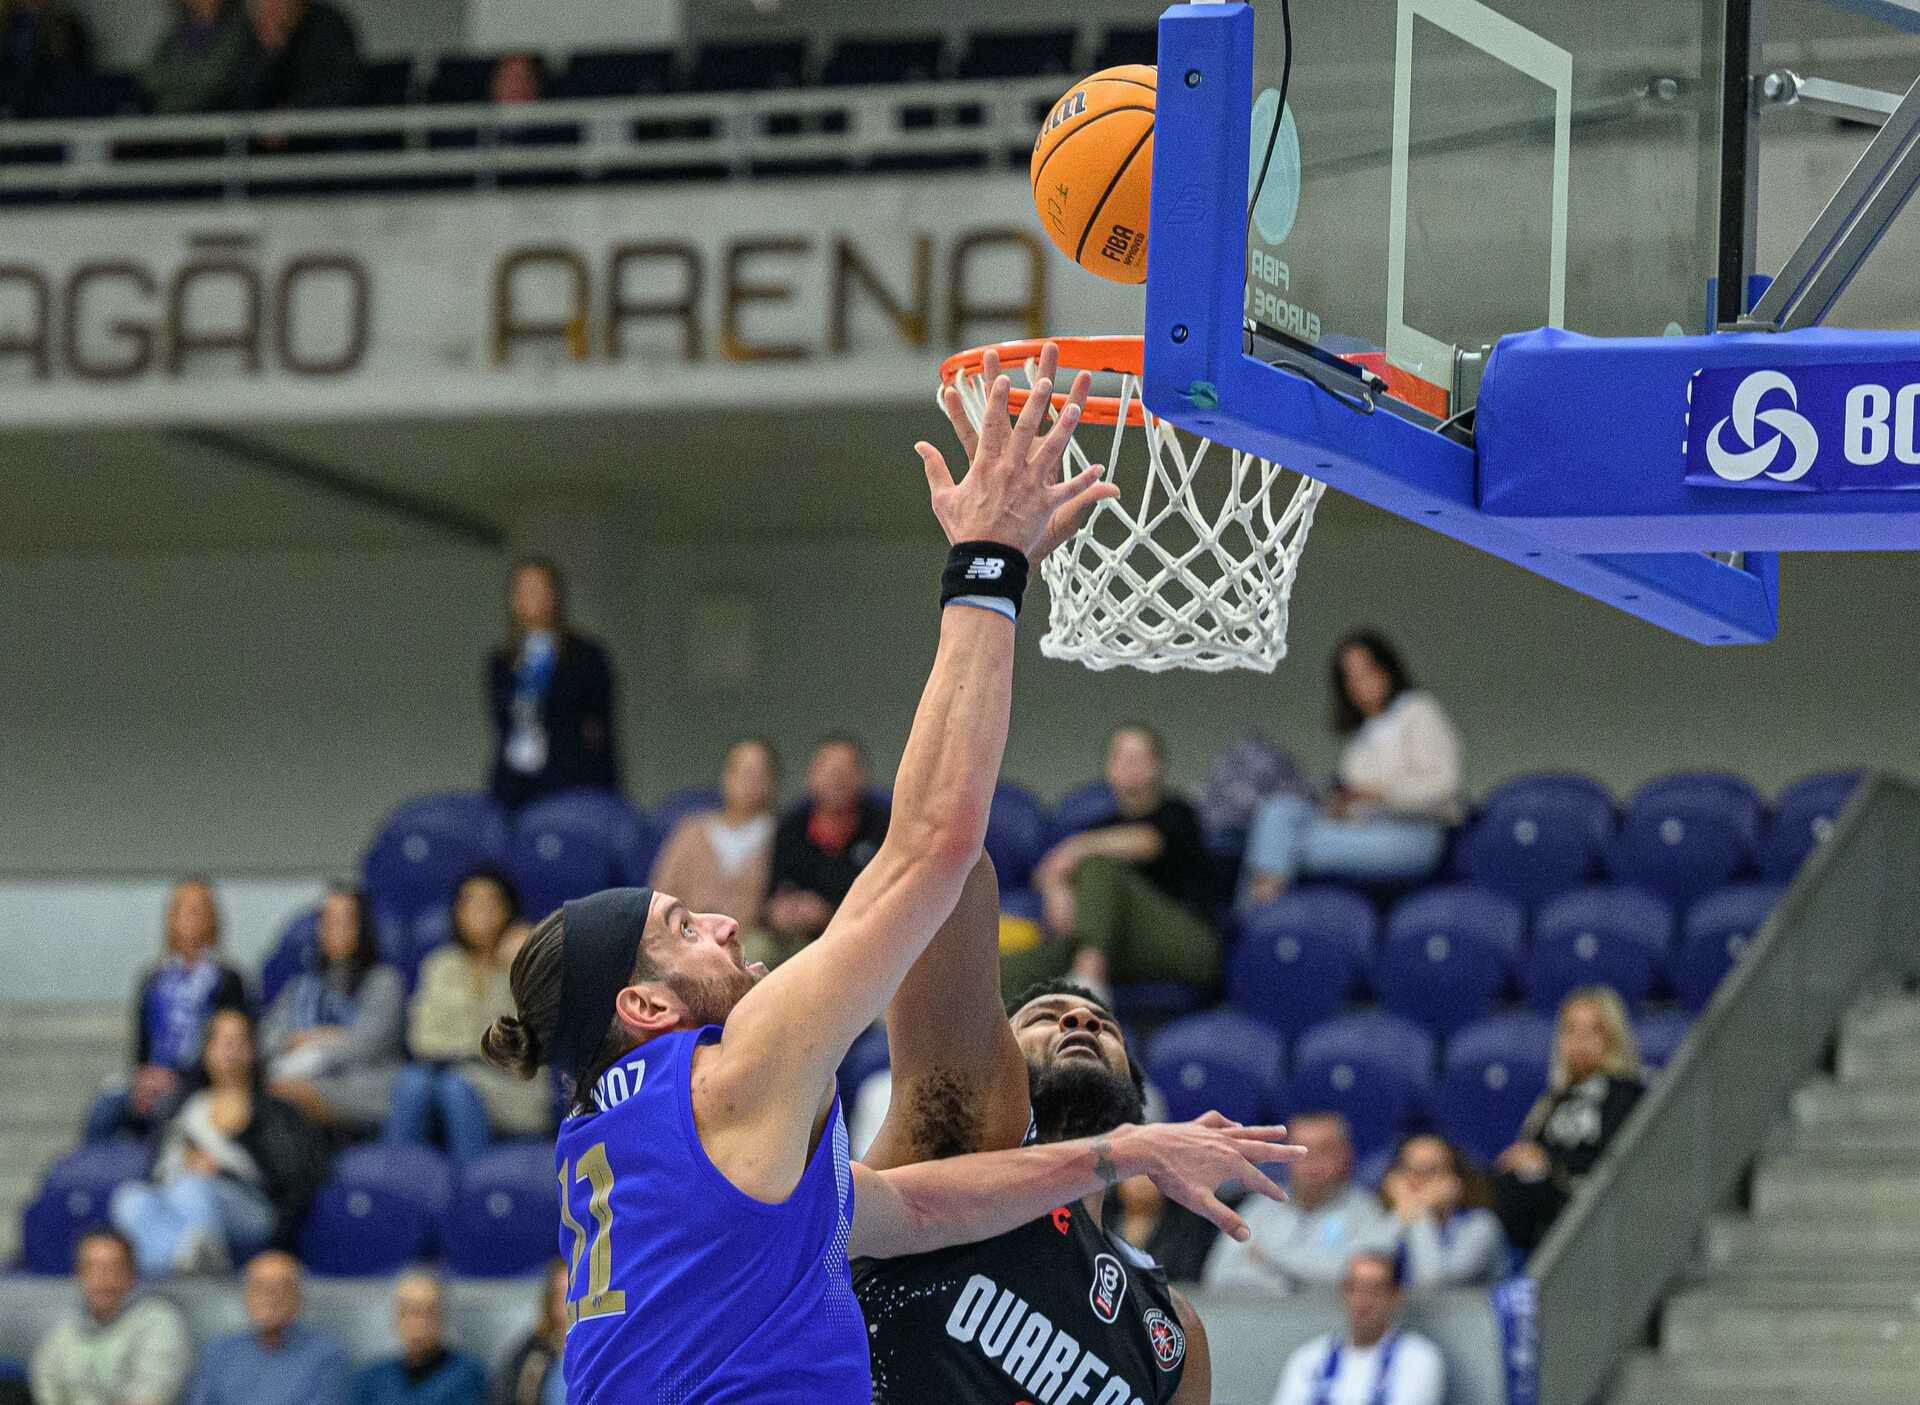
{"points": [[708, 1206]]}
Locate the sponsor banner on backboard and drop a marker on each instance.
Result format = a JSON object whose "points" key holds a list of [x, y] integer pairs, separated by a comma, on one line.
{"points": [[787, 293], [1805, 429]]}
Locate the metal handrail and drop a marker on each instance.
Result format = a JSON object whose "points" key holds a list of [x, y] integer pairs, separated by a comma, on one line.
{"points": [[1854, 909]]}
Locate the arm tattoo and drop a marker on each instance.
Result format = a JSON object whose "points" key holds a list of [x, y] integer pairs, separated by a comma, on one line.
{"points": [[1103, 1166]]}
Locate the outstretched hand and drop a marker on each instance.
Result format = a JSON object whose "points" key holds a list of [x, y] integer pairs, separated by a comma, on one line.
{"points": [[1013, 492], [1190, 1161]]}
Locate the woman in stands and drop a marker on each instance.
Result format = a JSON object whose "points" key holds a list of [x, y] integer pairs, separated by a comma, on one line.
{"points": [[236, 1170], [1448, 1231], [332, 1040], [1593, 1085], [532, 1375], [463, 989], [550, 692], [720, 860], [1399, 785]]}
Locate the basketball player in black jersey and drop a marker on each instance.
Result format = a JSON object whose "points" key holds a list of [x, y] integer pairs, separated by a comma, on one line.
{"points": [[1057, 1312]]}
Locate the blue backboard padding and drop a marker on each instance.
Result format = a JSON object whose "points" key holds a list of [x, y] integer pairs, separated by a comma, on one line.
{"points": [[1198, 376], [1583, 444]]}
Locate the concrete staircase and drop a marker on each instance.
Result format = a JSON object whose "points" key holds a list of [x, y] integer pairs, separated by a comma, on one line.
{"points": [[52, 1060], [1814, 1296]]}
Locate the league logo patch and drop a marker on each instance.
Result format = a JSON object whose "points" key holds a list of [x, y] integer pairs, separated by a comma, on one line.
{"points": [[1168, 1340], [1109, 1288]]}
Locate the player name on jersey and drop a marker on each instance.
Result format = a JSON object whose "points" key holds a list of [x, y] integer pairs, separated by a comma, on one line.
{"points": [[1046, 1361]]}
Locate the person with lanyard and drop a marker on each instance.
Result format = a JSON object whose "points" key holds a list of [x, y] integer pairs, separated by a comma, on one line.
{"points": [[1375, 1361]]}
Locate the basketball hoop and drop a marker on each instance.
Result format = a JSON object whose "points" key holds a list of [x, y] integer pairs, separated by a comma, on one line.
{"points": [[1192, 566]]}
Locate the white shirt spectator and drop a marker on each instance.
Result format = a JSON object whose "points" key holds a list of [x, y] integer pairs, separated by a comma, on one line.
{"points": [[1403, 1368], [1468, 1248], [142, 1355], [1410, 754], [1291, 1246]]}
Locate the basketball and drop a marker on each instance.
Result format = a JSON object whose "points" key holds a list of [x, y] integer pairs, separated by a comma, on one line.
{"points": [[1093, 170]]}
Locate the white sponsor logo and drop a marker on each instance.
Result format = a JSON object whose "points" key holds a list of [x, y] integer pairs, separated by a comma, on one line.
{"points": [[986, 568], [1737, 466], [1046, 1362], [1109, 1288]]}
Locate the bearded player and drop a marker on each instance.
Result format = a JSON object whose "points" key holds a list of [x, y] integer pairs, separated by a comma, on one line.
{"points": [[1056, 1310], [707, 1203]]}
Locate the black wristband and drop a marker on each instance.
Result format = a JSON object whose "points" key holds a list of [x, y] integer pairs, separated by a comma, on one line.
{"points": [[984, 568]]}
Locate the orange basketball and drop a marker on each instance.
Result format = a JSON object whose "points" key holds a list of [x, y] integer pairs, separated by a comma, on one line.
{"points": [[1093, 169]]}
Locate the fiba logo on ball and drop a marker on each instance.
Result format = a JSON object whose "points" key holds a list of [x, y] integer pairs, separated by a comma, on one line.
{"points": [[1788, 425]]}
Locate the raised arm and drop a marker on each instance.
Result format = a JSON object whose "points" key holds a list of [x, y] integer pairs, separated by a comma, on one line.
{"points": [[784, 1040], [959, 1080]]}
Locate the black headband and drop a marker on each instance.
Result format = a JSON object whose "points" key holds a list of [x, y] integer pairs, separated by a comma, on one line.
{"points": [[599, 944]]}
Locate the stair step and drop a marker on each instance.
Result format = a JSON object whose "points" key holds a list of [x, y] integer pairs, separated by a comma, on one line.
{"points": [[1850, 1136], [1829, 1101], [1878, 1061], [1705, 1321], [1658, 1380], [1834, 1182]]}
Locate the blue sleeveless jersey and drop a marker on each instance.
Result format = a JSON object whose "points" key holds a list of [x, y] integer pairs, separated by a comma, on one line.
{"points": [[684, 1289]]}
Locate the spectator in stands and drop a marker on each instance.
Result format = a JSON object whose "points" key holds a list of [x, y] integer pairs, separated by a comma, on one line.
{"points": [[532, 1375], [463, 989], [1449, 1234], [550, 689], [427, 1371], [1593, 1084], [721, 860], [170, 1010], [119, 1350], [43, 43], [519, 78], [206, 60], [236, 1169], [820, 848], [309, 56], [1172, 1235], [1308, 1238], [333, 1038], [1128, 901], [1400, 784], [1375, 1361], [280, 1360]]}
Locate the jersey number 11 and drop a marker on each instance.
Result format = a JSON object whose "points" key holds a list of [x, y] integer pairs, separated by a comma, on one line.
{"points": [[601, 1299]]}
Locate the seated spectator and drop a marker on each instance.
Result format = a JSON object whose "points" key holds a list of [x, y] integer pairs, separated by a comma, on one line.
{"points": [[532, 1375], [279, 1360], [550, 693], [120, 1349], [1399, 790], [1374, 1361], [1449, 1234], [42, 42], [1308, 1238], [720, 860], [1126, 902], [205, 61], [820, 848], [518, 78], [170, 1010], [333, 1038], [236, 1170], [426, 1372], [1171, 1235], [1593, 1084], [463, 989], [309, 56]]}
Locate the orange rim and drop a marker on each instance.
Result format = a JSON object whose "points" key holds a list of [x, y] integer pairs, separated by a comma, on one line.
{"points": [[1121, 356]]}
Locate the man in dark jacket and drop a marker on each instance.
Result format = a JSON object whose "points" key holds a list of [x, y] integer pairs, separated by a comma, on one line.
{"points": [[820, 848], [310, 56], [42, 43]]}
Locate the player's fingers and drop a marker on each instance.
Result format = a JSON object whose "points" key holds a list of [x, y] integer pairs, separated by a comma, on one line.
{"points": [[1050, 361], [1213, 1117], [956, 407], [1257, 1180], [1082, 503], [1270, 1132], [1209, 1206], [990, 367], [939, 478], [1054, 446], [994, 429], [1068, 489], [1039, 401]]}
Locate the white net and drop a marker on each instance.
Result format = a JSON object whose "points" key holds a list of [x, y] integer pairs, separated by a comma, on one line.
{"points": [[1192, 566]]}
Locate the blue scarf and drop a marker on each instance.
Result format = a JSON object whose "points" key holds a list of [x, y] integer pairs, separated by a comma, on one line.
{"points": [[1330, 1372]]}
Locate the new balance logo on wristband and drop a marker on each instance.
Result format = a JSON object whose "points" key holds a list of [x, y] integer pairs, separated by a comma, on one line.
{"points": [[986, 568]]}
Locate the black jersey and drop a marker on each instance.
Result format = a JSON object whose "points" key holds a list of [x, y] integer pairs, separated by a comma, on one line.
{"points": [[1054, 1312]]}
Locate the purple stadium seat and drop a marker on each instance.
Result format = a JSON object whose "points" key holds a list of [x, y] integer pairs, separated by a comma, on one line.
{"points": [[1725, 797], [1372, 1067], [427, 846], [1607, 934], [677, 806], [1660, 1035], [1300, 956], [1686, 834], [1449, 953], [73, 1199], [1220, 1060], [353, 1231], [1714, 935], [575, 843], [1537, 836], [1802, 821], [1089, 807], [503, 1219], [1018, 834], [1151, 1003], [1493, 1072], [418, 1173], [867, 1057]]}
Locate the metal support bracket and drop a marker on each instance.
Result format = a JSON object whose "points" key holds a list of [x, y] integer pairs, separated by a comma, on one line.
{"points": [[1848, 101]]}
